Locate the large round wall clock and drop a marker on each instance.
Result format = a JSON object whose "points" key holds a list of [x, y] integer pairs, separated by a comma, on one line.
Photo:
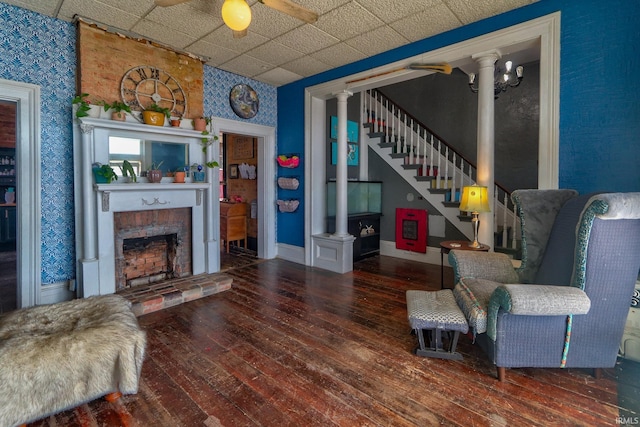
{"points": [[244, 101], [144, 85]]}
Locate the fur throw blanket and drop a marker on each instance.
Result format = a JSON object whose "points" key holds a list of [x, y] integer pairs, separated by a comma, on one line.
{"points": [[55, 357]]}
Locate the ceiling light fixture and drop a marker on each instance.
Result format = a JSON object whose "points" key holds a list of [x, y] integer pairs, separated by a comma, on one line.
{"points": [[503, 79], [236, 14]]}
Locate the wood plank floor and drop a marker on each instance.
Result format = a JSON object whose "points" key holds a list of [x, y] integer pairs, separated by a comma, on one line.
{"points": [[290, 345]]}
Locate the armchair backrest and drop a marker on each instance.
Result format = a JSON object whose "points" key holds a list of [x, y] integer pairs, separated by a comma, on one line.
{"points": [[537, 210]]}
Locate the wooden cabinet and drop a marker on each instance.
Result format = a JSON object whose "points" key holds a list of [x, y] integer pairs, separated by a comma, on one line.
{"points": [[365, 227], [233, 223]]}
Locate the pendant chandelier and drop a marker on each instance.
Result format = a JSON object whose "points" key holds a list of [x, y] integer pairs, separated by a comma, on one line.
{"points": [[502, 78]]}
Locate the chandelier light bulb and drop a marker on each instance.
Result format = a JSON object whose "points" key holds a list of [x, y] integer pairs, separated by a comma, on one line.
{"points": [[236, 14], [508, 66]]}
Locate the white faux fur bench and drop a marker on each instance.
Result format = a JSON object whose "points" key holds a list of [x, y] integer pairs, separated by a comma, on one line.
{"points": [[55, 357]]}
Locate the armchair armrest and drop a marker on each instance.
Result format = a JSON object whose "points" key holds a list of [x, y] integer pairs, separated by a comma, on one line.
{"points": [[536, 300], [492, 266]]}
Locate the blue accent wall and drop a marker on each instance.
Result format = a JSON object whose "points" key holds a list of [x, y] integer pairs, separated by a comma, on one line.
{"points": [[599, 90], [41, 50]]}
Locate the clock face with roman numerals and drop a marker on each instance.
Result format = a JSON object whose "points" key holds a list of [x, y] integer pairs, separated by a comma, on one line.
{"points": [[144, 85]]}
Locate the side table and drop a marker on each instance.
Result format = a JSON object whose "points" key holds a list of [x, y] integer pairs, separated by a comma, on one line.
{"points": [[462, 245]]}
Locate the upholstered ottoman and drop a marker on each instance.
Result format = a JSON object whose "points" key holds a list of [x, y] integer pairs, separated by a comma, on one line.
{"points": [[437, 312], [56, 357]]}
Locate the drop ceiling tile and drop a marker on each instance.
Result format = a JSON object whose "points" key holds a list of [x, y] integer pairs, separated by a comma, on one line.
{"points": [[216, 54], [223, 36], [184, 18], [277, 77], [98, 12], [426, 23], [274, 53], [271, 23], [471, 11], [162, 34], [348, 21], [306, 66], [246, 66], [321, 7], [307, 39], [338, 55], [44, 7], [377, 41], [392, 10]]}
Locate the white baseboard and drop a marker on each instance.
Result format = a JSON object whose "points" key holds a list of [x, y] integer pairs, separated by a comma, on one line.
{"points": [[55, 292], [432, 256], [290, 253]]}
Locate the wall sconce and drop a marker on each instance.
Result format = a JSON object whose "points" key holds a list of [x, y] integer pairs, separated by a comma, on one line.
{"points": [[502, 79], [236, 14], [475, 200]]}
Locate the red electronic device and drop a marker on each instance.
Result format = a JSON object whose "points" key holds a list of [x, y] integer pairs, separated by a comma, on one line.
{"points": [[411, 229]]}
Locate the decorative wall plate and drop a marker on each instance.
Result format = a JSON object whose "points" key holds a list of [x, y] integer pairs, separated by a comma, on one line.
{"points": [[244, 101]]}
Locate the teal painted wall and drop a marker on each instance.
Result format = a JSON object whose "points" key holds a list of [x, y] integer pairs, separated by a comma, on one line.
{"points": [[599, 88]]}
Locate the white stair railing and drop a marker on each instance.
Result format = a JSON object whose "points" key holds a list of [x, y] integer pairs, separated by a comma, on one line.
{"points": [[442, 162]]}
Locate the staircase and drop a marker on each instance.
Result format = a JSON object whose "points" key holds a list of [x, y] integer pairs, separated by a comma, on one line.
{"points": [[433, 168]]}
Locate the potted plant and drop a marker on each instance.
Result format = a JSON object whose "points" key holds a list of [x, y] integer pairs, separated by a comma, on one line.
{"points": [[201, 123], [103, 174], [205, 142], [155, 115], [127, 171], [180, 174], [118, 110], [197, 172], [175, 122], [154, 174]]}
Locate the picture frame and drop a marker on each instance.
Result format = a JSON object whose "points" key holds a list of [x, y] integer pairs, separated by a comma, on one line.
{"points": [[233, 171], [352, 130], [243, 148], [352, 154]]}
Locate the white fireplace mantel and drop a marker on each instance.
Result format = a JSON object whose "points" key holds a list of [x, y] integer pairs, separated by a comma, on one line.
{"points": [[96, 204]]}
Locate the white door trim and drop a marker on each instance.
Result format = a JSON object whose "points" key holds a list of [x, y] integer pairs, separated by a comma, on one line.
{"points": [[28, 176], [544, 31], [266, 136]]}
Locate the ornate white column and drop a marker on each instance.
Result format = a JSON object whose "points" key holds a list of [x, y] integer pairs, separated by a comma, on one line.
{"points": [[486, 137], [341, 167], [87, 279]]}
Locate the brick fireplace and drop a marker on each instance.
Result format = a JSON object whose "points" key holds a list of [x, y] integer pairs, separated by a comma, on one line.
{"points": [[151, 246]]}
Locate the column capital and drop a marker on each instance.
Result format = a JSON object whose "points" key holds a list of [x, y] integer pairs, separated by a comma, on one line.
{"points": [[343, 94], [487, 58]]}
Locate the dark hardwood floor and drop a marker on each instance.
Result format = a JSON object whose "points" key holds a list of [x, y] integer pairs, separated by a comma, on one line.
{"points": [[295, 346]]}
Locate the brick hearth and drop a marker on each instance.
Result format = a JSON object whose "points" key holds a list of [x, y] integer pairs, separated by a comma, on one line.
{"points": [[156, 296]]}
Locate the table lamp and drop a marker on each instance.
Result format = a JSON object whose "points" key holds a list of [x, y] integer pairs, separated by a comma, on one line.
{"points": [[475, 200]]}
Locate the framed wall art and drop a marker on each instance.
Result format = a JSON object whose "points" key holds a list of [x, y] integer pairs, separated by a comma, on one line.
{"points": [[352, 154], [233, 171]]}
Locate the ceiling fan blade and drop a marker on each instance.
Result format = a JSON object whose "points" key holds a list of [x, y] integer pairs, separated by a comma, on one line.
{"points": [[292, 9], [166, 3], [239, 34], [443, 68]]}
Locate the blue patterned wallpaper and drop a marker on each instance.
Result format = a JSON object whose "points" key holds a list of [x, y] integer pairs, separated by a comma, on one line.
{"points": [[41, 50], [218, 83]]}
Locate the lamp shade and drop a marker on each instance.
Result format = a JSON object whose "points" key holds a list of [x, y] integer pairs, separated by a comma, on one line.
{"points": [[475, 199], [236, 14]]}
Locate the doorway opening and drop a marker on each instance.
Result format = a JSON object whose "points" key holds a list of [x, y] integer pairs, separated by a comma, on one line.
{"points": [[246, 154], [238, 200], [8, 203], [24, 100]]}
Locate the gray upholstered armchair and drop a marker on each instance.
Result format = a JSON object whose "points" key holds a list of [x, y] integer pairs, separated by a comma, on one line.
{"points": [[567, 303]]}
